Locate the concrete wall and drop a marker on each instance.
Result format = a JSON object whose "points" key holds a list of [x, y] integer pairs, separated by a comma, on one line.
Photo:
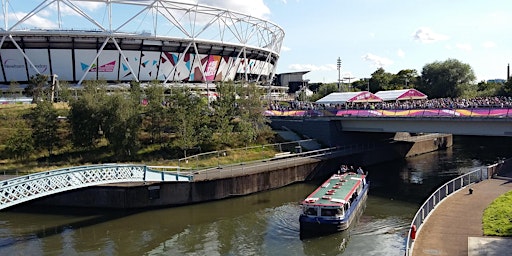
{"points": [[179, 193], [144, 195]]}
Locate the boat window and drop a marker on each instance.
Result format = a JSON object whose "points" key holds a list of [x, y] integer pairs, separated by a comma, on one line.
{"points": [[311, 211], [329, 212]]}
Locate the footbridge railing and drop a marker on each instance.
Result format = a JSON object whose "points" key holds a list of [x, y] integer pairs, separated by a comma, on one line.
{"points": [[443, 192], [29, 187]]}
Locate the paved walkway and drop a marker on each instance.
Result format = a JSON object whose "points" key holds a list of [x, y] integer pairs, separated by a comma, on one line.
{"points": [[455, 226]]}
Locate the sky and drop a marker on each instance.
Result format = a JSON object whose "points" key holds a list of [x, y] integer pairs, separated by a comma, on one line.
{"points": [[370, 34]]}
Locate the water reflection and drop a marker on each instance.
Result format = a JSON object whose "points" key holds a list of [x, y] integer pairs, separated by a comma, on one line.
{"points": [[260, 224]]}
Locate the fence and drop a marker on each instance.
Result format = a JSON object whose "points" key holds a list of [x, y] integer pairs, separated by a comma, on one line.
{"points": [[215, 159], [447, 189], [271, 163], [383, 113]]}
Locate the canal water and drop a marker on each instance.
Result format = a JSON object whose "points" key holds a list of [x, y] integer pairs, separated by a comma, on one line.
{"points": [[261, 224]]}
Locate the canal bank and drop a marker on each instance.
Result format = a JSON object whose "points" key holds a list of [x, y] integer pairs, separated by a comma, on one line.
{"points": [[240, 180]]}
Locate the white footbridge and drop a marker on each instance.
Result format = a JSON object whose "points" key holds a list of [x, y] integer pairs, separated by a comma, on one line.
{"points": [[29, 187]]}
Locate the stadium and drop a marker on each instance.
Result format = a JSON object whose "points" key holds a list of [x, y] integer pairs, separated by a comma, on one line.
{"points": [[146, 40]]}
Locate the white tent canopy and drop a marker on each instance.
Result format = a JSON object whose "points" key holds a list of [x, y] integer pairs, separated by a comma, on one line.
{"points": [[344, 97], [404, 94]]}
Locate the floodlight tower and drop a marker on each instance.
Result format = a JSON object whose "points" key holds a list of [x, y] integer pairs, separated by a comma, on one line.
{"points": [[339, 73]]}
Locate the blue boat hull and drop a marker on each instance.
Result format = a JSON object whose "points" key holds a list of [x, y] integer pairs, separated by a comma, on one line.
{"points": [[319, 225]]}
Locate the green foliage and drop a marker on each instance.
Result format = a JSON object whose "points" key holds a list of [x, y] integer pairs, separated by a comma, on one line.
{"points": [[445, 79], [223, 114], [13, 89], [250, 109], [189, 119], [37, 87], [497, 218], [155, 112], [44, 123], [64, 93], [381, 81], [324, 90], [87, 115], [20, 144], [507, 88], [122, 124]]}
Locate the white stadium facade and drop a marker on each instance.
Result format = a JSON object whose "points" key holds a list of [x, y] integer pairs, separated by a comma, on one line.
{"points": [[136, 40]]}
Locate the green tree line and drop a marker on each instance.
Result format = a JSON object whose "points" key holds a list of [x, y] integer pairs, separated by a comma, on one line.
{"points": [[440, 79], [175, 122]]}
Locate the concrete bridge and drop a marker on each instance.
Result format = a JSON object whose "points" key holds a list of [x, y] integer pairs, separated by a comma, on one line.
{"points": [[29, 187], [475, 121]]}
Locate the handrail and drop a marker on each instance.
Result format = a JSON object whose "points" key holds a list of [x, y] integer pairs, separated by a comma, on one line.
{"points": [[394, 113], [443, 192]]}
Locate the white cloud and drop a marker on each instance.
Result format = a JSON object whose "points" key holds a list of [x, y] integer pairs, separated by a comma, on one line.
{"points": [[311, 67], [426, 35], [285, 49], [377, 61], [465, 47], [90, 6], [255, 8], [35, 21], [488, 44], [86, 6], [400, 53]]}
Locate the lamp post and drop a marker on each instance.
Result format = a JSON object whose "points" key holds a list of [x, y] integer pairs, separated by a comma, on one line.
{"points": [[339, 73], [349, 78]]}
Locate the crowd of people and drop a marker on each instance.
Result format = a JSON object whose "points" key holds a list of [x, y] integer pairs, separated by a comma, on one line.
{"points": [[439, 103]]}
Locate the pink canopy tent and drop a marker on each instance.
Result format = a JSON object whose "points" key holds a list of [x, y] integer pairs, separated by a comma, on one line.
{"points": [[404, 94], [344, 97]]}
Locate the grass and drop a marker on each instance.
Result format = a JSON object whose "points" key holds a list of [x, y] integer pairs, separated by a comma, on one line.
{"points": [[497, 219], [67, 156]]}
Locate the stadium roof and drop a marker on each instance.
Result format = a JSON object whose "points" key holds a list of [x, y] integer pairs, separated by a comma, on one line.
{"points": [[344, 97], [404, 94]]}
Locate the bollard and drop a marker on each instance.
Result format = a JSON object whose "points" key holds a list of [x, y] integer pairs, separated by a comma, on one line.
{"points": [[470, 191]]}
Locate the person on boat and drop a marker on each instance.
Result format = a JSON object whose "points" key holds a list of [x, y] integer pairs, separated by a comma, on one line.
{"points": [[360, 170], [343, 169]]}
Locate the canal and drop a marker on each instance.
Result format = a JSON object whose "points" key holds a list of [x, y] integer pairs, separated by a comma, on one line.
{"points": [[261, 224]]}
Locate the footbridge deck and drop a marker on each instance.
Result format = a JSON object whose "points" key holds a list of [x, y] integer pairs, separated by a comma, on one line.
{"points": [[29, 187]]}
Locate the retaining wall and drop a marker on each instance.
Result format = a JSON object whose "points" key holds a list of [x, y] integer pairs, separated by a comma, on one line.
{"points": [[161, 194]]}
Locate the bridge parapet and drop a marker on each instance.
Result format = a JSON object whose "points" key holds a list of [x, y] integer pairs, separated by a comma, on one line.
{"points": [[25, 188], [428, 112]]}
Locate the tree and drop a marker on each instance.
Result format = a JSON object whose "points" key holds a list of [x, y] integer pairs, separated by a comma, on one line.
{"points": [[324, 90], [122, 124], [224, 112], [20, 145], [189, 118], [155, 111], [446, 79], [507, 88], [250, 108], [36, 87], [381, 80], [44, 123], [63, 91], [86, 115], [13, 90], [405, 78]]}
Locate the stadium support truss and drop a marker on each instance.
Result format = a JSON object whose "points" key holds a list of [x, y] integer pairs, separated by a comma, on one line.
{"points": [[141, 40]]}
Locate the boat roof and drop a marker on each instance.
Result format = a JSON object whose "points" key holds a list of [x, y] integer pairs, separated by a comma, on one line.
{"points": [[335, 191]]}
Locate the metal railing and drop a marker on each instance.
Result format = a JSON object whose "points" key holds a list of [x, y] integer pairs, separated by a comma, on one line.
{"points": [[221, 158], [446, 190], [389, 113], [249, 167], [29, 187]]}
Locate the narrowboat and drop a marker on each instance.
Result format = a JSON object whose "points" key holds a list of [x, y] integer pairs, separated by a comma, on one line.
{"points": [[334, 205]]}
